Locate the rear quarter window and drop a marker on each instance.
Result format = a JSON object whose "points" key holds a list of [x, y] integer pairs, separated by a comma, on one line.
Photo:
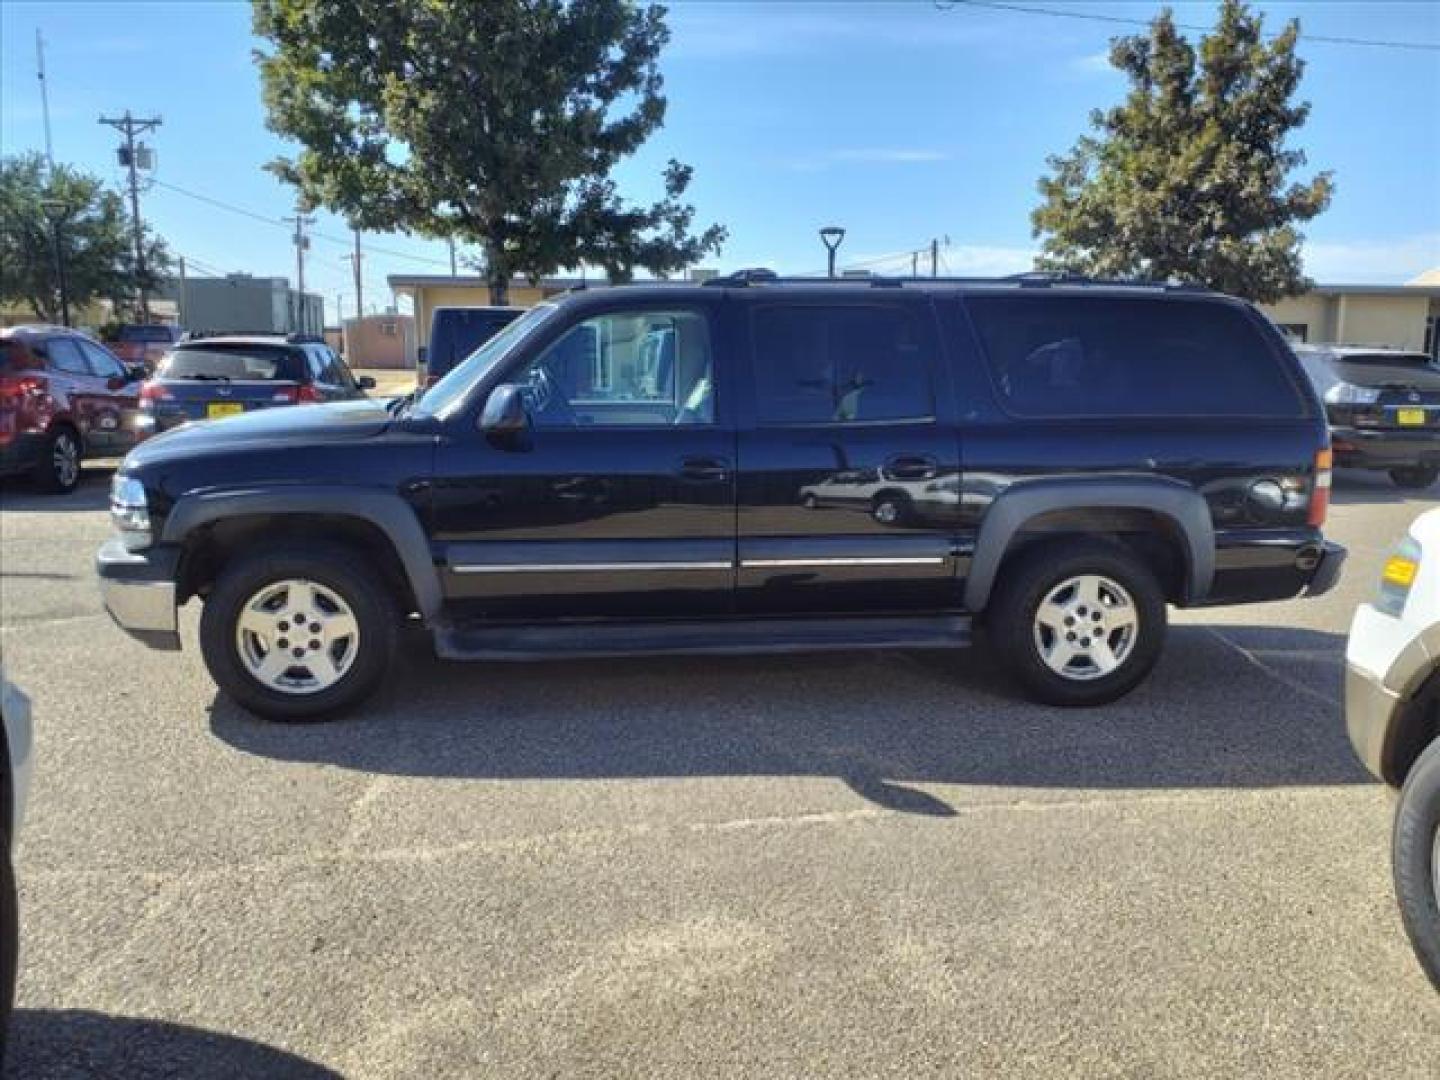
{"points": [[1081, 356]]}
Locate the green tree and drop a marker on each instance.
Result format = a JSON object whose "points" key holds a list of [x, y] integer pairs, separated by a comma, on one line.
{"points": [[95, 239], [1189, 177], [495, 124]]}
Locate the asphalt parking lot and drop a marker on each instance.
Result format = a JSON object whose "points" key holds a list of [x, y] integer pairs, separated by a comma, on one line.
{"points": [[834, 865]]}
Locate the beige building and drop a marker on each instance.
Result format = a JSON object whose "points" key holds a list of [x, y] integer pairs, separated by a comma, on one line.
{"points": [[380, 341], [430, 291], [1397, 316]]}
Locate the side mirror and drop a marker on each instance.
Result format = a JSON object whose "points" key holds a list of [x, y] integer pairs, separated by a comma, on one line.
{"points": [[116, 382], [505, 413], [366, 382]]}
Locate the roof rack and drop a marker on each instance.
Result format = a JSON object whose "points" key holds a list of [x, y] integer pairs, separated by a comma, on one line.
{"points": [[1029, 279]]}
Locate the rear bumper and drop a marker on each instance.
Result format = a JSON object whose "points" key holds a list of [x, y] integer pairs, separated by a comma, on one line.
{"points": [[1391, 448], [1272, 564], [20, 452], [138, 590]]}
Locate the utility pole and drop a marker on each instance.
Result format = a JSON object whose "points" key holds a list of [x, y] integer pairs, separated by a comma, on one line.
{"points": [[935, 258], [339, 310], [914, 264], [130, 156], [355, 265], [301, 243], [44, 95], [451, 239], [180, 303]]}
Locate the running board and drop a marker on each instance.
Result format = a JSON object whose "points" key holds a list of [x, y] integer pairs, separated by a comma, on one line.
{"points": [[536, 641]]}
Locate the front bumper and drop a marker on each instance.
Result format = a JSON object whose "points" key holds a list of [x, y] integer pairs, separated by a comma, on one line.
{"points": [[1384, 448], [1371, 715], [138, 589]]}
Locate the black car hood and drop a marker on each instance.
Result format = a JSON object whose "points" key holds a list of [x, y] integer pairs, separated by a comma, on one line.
{"points": [[300, 425]]}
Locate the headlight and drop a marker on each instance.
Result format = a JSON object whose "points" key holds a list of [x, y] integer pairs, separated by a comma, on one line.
{"points": [[130, 512], [1398, 576], [1349, 394]]}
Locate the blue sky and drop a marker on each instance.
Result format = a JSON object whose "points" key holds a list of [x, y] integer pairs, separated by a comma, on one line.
{"points": [[901, 121]]}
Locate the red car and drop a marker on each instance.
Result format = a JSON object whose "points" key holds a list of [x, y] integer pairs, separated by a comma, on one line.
{"points": [[63, 397]]}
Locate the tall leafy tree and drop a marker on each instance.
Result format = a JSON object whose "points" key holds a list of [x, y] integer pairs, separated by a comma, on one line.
{"points": [[1190, 176], [495, 124], [94, 233]]}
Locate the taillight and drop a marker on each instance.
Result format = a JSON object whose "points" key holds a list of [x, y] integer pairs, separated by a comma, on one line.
{"points": [[20, 385], [151, 392], [307, 393], [1320, 493]]}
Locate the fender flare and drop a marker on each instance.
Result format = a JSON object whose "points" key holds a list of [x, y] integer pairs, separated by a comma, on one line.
{"points": [[1026, 500], [385, 510]]}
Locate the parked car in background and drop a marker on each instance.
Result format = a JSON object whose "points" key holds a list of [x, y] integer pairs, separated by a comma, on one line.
{"points": [[15, 753], [563, 492], [456, 332], [212, 378], [1392, 712], [1383, 406], [63, 398], [145, 344]]}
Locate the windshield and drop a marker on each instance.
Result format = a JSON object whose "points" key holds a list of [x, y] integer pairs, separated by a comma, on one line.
{"points": [[260, 362], [445, 396]]}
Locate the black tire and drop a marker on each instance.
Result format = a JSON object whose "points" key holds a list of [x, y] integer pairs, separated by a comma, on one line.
{"points": [[48, 475], [9, 940], [339, 568], [1415, 477], [1025, 582], [1417, 879]]}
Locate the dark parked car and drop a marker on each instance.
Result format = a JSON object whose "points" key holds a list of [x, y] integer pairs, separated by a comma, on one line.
{"points": [[63, 398], [456, 332], [144, 343], [1383, 406], [212, 378], [1097, 451]]}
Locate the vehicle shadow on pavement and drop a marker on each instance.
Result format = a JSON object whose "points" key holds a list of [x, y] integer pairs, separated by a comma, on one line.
{"points": [[1359, 487], [1243, 707], [74, 1043], [92, 494]]}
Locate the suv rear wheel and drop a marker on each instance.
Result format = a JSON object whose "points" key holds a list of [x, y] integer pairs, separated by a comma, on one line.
{"points": [[1078, 622], [58, 468], [1415, 478], [1417, 858], [296, 633]]}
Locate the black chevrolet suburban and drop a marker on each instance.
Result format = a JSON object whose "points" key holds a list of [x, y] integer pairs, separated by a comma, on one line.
{"points": [[753, 464]]}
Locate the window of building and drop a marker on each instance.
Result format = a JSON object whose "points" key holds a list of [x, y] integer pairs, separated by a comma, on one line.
{"points": [[1112, 356], [831, 363]]}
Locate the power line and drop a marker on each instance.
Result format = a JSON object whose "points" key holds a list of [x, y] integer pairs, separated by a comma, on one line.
{"points": [[1095, 16], [346, 242]]}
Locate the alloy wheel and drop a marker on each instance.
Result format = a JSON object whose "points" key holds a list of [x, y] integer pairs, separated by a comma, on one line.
{"points": [[65, 459], [1086, 627], [297, 636]]}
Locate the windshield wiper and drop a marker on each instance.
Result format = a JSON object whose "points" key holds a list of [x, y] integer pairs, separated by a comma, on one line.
{"points": [[398, 407]]}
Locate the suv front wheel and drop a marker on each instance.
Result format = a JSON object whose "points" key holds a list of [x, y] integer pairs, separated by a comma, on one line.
{"points": [[1417, 858], [298, 633], [1078, 622]]}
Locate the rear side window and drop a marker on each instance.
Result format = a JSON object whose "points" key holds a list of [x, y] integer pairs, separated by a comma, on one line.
{"points": [[66, 356], [1130, 356], [824, 363], [253, 362]]}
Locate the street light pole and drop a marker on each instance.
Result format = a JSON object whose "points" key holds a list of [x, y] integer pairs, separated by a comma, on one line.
{"points": [[56, 212], [830, 236]]}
